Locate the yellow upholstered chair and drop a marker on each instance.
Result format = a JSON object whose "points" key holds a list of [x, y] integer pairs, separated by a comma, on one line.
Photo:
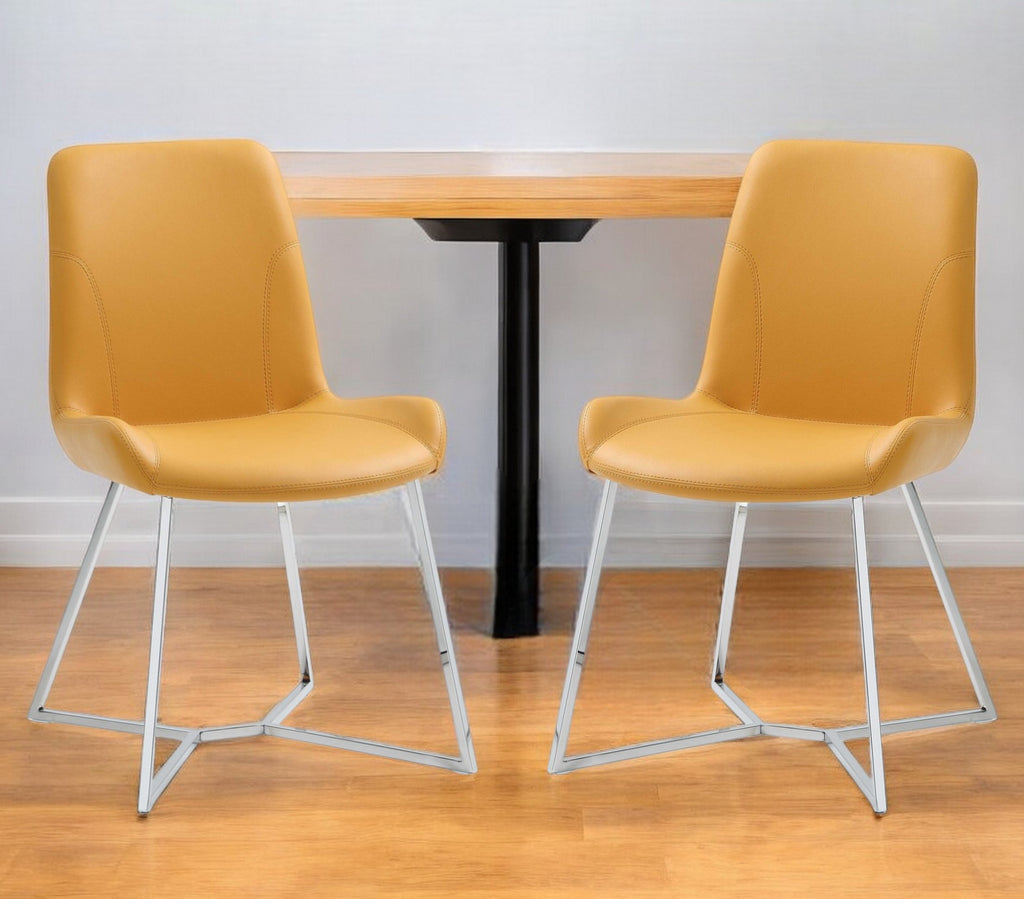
{"points": [[839, 364], [184, 364]]}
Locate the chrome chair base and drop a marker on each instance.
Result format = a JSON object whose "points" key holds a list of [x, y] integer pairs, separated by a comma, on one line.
{"points": [[153, 783], [871, 782]]}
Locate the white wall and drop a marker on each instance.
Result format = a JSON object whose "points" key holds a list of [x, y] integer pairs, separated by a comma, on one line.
{"points": [[625, 311]]}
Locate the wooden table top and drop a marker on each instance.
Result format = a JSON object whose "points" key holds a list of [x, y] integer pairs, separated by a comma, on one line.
{"points": [[541, 185]]}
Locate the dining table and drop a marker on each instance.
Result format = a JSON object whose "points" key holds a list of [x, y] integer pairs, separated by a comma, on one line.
{"points": [[518, 200]]}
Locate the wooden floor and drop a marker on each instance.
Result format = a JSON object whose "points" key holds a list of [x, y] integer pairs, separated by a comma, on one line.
{"points": [[265, 817]]}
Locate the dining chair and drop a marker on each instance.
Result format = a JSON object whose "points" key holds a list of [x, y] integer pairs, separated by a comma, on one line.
{"points": [[184, 364], [839, 365]]}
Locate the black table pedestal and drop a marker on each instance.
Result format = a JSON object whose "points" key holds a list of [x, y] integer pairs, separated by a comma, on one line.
{"points": [[516, 594]]}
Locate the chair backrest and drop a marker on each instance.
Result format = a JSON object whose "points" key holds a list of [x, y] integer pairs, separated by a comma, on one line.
{"points": [[846, 291], [177, 289]]}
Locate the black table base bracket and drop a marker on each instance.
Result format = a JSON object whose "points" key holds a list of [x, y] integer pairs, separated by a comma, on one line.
{"points": [[516, 602]]}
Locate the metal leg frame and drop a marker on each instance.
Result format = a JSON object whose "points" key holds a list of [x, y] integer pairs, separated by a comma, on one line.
{"points": [[751, 725], [152, 784]]}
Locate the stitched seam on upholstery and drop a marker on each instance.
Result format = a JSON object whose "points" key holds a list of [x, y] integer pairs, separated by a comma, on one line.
{"points": [[919, 333], [308, 485], [636, 476], [824, 421], [581, 431], [62, 409], [867, 452], [884, 461], [382, 421], [758, 322], [305, 400], [159, 460], [585, 418], [438, 417], [656, 480], [442, 433], [716, 398], [267, 282], [128, 444], [199, 421], [104, 324], [295, 410], [650, 418], [889, 453]]}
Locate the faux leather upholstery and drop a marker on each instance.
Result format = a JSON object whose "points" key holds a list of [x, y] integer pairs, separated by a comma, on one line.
{"points": [[183, 354], [840, 356]]}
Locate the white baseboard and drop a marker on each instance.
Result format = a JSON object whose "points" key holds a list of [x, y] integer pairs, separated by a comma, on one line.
{"points": [[54, 531], [654, 531], [647, 531]]}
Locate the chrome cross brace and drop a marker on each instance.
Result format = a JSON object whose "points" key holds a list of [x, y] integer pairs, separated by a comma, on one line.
{"points": [[751, 725], [153, 783]]}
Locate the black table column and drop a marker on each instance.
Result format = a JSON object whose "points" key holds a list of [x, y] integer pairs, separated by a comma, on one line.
{"points": [[516, 596]]}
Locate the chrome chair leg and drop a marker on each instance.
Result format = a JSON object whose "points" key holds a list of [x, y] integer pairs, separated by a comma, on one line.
{"points": [[152, 784], [584, 618], [465, 762], [956, 621], [287, 705], [751, 725], [732, 572], [442, 631], [38, 711], [291, 567], [560, 762], [871, 785]]}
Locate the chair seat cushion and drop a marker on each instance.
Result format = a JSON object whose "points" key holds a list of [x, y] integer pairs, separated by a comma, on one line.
{"points": [[323, 448], [700, 448]]}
